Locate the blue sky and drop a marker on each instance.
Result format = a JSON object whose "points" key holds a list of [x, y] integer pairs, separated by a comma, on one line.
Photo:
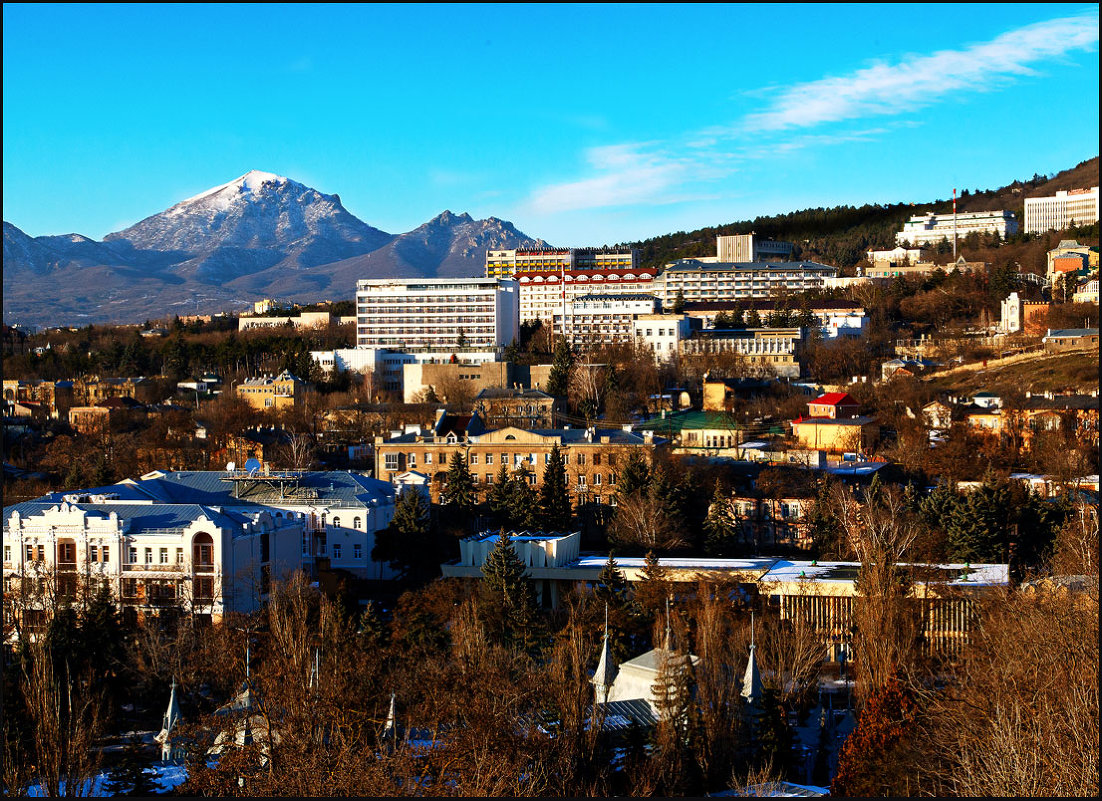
{"points": [[581, 124]]}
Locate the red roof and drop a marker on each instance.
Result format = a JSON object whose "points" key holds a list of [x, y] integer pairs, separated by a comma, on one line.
{"points": [[836, 399]]}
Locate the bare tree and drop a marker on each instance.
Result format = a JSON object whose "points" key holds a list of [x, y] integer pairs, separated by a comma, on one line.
{"points": [[642, 522]]}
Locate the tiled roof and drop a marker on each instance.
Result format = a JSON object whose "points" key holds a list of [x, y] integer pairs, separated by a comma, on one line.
{"points": [[835, 399]]}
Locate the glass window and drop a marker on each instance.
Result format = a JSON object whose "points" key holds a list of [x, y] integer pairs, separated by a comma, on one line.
{"points": [[163, 555], [133, 556], [179, 556], [149, 556], [336, 550], [93, 553], [473, 459], [336, 522], [357, 551], [489, 458]]}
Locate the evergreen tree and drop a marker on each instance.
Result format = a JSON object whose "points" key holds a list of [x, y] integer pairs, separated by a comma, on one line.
{"points": [[523, 508], [407, 544], [722, 320], [753, 319], [720, 535], [500, 494], [506, 593], [678, 303], [738, 317], [128, 776], [558, 378], [459, 492], [612, 586], [555, 511], [774, 733], [653, 588], [636, 476]]}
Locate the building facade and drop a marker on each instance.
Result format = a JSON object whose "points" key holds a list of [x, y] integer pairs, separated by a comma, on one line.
{"points": [[603, 319], [1062, 210], [748, 247], [593, 457], [283, 391], [436, 319], [769, 351], [693, 280], [930, 229]]}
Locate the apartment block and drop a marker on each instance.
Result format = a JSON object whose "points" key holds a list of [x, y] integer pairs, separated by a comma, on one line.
{"points": [[470, 319], [273, 392], [694, 280], [518, 262], [603, 319], [1062, 210], [930, 229]]}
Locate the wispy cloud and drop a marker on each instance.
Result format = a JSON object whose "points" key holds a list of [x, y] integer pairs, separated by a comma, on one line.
{"points": [[626, 175], [681, 169], [919, 80]]}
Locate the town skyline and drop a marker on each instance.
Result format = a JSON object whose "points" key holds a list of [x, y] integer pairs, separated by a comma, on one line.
{"points": [[580, 173]]}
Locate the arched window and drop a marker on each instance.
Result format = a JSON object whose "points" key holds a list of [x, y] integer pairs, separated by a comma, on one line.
{"points": [[336, 522], [356, 523], [202, 549]]}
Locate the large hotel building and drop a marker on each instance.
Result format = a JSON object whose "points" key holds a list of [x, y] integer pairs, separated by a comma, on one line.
{"points": [[930, 229], [436, 318], [695, 280], [1055, 213], [549, 278]]}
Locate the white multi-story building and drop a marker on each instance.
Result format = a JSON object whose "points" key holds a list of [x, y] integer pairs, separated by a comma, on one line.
{"points": [[472, 319], [747, 247], [604, 319], [1062, 210], [768, 351], [516, 262], [203, 542], [542, 295], [930, 229], [662, 333], [695, 280]]}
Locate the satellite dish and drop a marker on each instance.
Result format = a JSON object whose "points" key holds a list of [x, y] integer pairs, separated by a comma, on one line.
{"points": [[252, 465], [230, 467]]}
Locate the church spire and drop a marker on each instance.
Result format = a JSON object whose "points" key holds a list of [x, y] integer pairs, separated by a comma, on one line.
{"points": [[606, 667], [751, 680], [171, 718]]}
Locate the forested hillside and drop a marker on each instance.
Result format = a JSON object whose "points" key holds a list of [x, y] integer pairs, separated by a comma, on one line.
{"points": [[840, 235]]}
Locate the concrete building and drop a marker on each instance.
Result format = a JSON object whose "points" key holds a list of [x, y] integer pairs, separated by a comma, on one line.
{"points": [[662, 333], [930, 229], [438, 319], [593, 457], [836, 317], [302, 320], [924, 268], [1086, 292], [273, 392], [748, 247], [1023, 316], [890, 259], [694, 280], [517, 262], [768, 351], [603, 319], [1057, 340], [1074, 207], [833, 425], [522, 408]]}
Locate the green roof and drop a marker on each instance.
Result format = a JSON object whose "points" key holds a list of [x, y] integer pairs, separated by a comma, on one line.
{"points": [[691, 420]]}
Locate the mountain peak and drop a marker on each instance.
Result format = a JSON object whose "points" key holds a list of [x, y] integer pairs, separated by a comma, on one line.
{"points": [[251, 183], [446, 217]]}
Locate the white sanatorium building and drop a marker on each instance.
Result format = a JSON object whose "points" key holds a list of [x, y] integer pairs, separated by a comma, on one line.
{"points": [[696, 280], [930, 229], [436, 318], [201, 541], [1059, 211]]}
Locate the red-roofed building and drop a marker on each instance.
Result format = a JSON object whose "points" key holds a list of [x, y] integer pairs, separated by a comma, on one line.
{"points": [[835, 405]]}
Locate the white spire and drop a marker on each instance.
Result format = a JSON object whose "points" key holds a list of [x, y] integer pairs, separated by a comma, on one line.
{"points": [[391, 719], [751, 680], [171, 718], [606, 668]]}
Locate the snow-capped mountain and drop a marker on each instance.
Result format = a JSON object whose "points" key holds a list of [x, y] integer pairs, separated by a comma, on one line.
{"points": [[261, 235], [253, 223]]}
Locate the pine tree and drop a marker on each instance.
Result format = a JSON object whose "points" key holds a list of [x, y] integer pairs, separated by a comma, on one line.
{"points": [[558, 378], [636, 476], [523, 508], [459, 492], [555, 511], [720, 536], [612, 586], [507, 593], [653, 588], [753, 319], [407, 543], [678, 305], [500, 494]]}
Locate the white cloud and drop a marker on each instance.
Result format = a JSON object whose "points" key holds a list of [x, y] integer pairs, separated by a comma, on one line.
{"points": [[917, 81], [678, 170], [626, 175]]}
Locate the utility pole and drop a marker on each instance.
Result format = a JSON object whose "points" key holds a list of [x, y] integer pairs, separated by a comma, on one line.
{"points": [[954, 225]]}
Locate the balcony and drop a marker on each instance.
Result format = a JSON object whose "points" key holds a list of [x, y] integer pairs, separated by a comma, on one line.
{"points": [[150, 568]]}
